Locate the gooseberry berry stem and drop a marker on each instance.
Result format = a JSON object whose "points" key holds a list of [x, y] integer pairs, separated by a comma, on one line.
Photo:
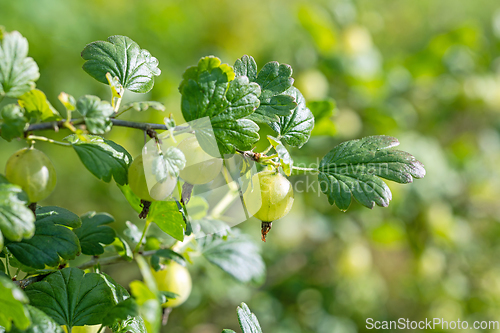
{"points": [[45, 139], [146, 227]]}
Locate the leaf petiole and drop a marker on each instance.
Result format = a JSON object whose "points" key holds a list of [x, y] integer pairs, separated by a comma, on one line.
{"points": [[305, 170], [146, 227], [42, 138]]}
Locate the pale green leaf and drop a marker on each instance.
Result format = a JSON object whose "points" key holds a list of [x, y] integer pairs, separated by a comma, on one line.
{"points": [[13, 122], [18, 72], [37, 107], [16, 220], [96, 113], [13, 310]]}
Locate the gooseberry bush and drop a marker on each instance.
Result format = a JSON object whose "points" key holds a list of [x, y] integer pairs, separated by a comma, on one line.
{"points": [[42, 290]]}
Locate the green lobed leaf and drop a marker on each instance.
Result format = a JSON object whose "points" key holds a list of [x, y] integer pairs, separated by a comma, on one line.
{"points": [[236, 254], [13, 310], [18, 72], [296, 128], [274, 79], [125, 311], [103, 158], [356, 167], [248, 321], [37, 107], [58, 215], [72, 297], [168, 164], [167, 216], [94, 233], [120, 312], [52, 239], [122, 58], [13, 122], [16, 220], [209, 91], [96, 113], [145, 105], [130, 325], [40, 323]]}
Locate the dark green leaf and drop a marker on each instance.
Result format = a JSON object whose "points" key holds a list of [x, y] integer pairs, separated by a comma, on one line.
{"points": [[207, 91], [18, 72], [123, 58], [40, 323], [52, 240], [125, 311], [72, 297], [248, 321], [37, 107], [16, 220], [167, 216], [274, 79], [236, 254], [103, 158], [13, 122], [168, 164], [354, 167], [12, 300], [167, 254], [272, 108], [228, 331], [130, 325], [96, 113], [121, 311], [94, 233], [58, 215], [144, 105], [296, 128]]}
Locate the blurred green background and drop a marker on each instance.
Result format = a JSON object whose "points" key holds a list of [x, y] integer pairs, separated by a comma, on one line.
{"points": [[426, 72]]}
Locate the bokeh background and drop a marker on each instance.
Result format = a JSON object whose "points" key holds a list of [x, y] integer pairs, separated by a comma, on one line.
{"points": [[426, 72]]}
